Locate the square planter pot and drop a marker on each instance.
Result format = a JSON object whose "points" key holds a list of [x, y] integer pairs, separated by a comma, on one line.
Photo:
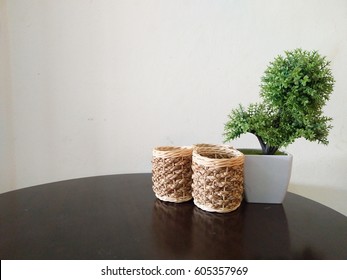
{"points": [[266, 176]]}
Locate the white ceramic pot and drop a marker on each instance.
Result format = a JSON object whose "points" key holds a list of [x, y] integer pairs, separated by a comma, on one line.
{"points": [[266, 177]]}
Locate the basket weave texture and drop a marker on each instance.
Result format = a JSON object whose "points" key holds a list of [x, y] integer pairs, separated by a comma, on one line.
{"points": [[172, 173], [218, 176]]}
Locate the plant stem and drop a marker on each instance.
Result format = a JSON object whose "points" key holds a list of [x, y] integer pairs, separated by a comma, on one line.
{"points": [[262, 144], [267, 150]]}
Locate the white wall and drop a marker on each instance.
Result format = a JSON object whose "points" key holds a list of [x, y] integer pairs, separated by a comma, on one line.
{"points": [[90, 87], [7, 169]]}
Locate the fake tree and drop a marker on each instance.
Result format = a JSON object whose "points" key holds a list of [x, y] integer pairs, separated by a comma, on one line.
{"points": [[294, 89]]}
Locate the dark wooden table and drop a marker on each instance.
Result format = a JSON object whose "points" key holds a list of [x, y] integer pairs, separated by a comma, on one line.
{"points": [[118, 217]]}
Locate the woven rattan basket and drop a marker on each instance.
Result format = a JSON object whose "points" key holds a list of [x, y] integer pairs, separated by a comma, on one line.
{"points": [[218, 175], [172, 173]]}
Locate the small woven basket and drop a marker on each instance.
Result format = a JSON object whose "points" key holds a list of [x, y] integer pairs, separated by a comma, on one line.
{"points": [[172, 173], [218, 175]]}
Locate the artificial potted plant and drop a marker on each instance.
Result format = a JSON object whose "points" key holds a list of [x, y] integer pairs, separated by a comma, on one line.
{"points": [[294, 89]]}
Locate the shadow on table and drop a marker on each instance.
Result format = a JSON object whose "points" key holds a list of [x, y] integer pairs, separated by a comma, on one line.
{"points": [[265, 232], [254, 231], [172, 225]]}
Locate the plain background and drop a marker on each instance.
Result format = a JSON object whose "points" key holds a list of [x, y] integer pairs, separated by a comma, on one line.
{"points": [[90, 87]]}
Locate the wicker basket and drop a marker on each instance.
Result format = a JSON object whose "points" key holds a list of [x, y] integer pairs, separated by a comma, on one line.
{"points": [[218, 175], [172, 173]]}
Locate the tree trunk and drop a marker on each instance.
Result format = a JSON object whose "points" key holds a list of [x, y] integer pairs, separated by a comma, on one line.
{"points": [[267, 150]]}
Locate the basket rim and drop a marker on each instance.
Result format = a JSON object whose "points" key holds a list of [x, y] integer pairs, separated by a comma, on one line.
{"points": [[168, 198], [207, 145], [172, 151], [236, 159], [216, 209]]}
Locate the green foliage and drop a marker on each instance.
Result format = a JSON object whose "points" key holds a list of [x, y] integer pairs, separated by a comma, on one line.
{"points": [[294, 89]]}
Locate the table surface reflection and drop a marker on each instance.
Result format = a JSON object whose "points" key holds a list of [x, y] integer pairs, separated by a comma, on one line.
{"points": [[118, 217]]}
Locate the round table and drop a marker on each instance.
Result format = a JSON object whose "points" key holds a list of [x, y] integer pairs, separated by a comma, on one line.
{"points": [[119, 217]]}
